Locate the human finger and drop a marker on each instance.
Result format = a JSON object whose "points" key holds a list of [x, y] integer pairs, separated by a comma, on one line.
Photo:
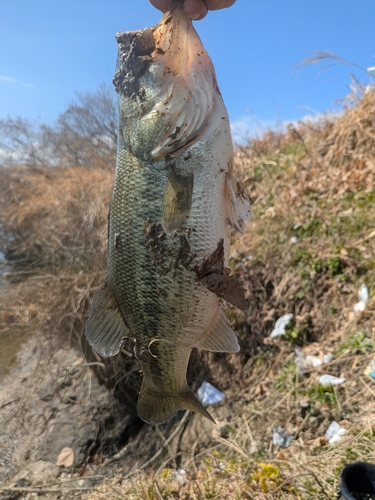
{"points": [[218, 4], [195, 9], [162, 5]]}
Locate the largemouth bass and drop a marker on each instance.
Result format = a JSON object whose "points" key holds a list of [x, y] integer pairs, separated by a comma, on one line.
{"points": [[173, 202]]}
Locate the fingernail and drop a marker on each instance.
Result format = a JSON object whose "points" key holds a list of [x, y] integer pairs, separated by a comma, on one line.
{"points": [[194, 17]]}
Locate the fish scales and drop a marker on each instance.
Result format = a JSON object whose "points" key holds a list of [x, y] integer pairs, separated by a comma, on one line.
{"points": [[174, 200]]}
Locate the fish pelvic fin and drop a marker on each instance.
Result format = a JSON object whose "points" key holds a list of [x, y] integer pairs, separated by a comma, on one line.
{"points": [[157, 407], [221, 337], [177, 200], [237, 203], [105, 326]]}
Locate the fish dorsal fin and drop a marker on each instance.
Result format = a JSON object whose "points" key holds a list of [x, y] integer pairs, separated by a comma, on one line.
{"points": [[177, 200], [238, 204], [221, 337], [105, 326], [157, 407]]}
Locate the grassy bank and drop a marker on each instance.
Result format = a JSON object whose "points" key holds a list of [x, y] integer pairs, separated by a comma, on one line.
{"points": [[307, 250]]}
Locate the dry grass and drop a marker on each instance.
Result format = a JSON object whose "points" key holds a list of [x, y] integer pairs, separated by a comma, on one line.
{"points": [[55, 219], [54, 234], [306, 251], [314, 183]]}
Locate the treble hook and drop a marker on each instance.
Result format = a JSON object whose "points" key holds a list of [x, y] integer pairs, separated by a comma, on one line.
{"points": [[133, 341]]}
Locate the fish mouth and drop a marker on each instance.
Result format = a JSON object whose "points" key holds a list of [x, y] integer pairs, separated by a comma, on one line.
{"points": [[136, 50], [173, 41], [178, 42], [193, 91], [165, 71]]}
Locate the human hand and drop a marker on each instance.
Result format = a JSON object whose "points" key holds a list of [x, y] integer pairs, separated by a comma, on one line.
{"points": [[195, 9]]}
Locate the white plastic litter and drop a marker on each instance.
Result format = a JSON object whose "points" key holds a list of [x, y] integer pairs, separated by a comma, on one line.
{"points": [[281, 438], [293, 239], [363, 299], [313, 361], [370, 368], [329, 380], [327, 358], [179, 475], [279, 328], [306, 363], [334, 432], [209, 395]]}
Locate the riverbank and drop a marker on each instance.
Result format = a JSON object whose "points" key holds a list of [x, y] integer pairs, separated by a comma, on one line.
{"points": [[307, 251]]}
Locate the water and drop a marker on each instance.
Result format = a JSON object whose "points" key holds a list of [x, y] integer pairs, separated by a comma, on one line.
{"points": [[10, 344], [11, 337], [3, 269]]}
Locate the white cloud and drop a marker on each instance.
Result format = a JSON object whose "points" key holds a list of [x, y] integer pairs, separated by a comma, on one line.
{"points": [[27, 84], [252, 126], [9, 157], [10, 79], [7, 79]]}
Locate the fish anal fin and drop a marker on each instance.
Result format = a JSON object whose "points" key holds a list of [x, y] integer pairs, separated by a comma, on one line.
{"points": [[177, 200], [157, 407], [221, 337], [105, 326], [238, 204]]}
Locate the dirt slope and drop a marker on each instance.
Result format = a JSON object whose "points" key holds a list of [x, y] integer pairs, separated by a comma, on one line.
{"points": [[307, 250]]}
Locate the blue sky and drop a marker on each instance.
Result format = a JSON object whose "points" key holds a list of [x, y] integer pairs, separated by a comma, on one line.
{"points": [[49, 49]]}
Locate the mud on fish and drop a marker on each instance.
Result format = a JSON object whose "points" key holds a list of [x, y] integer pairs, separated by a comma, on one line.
{"points": [[174, 201]]}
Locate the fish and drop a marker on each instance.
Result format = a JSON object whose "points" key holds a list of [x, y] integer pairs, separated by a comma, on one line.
{"points": [[173, 205]]}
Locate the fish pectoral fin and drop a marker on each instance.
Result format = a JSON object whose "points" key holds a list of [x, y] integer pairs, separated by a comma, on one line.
{"points": [[105, 326], [157, 407], [221, 337], [238, 204], [177, 200]]}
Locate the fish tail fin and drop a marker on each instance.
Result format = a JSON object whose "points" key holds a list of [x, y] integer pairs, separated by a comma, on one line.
{"points": [[157, 407]]}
